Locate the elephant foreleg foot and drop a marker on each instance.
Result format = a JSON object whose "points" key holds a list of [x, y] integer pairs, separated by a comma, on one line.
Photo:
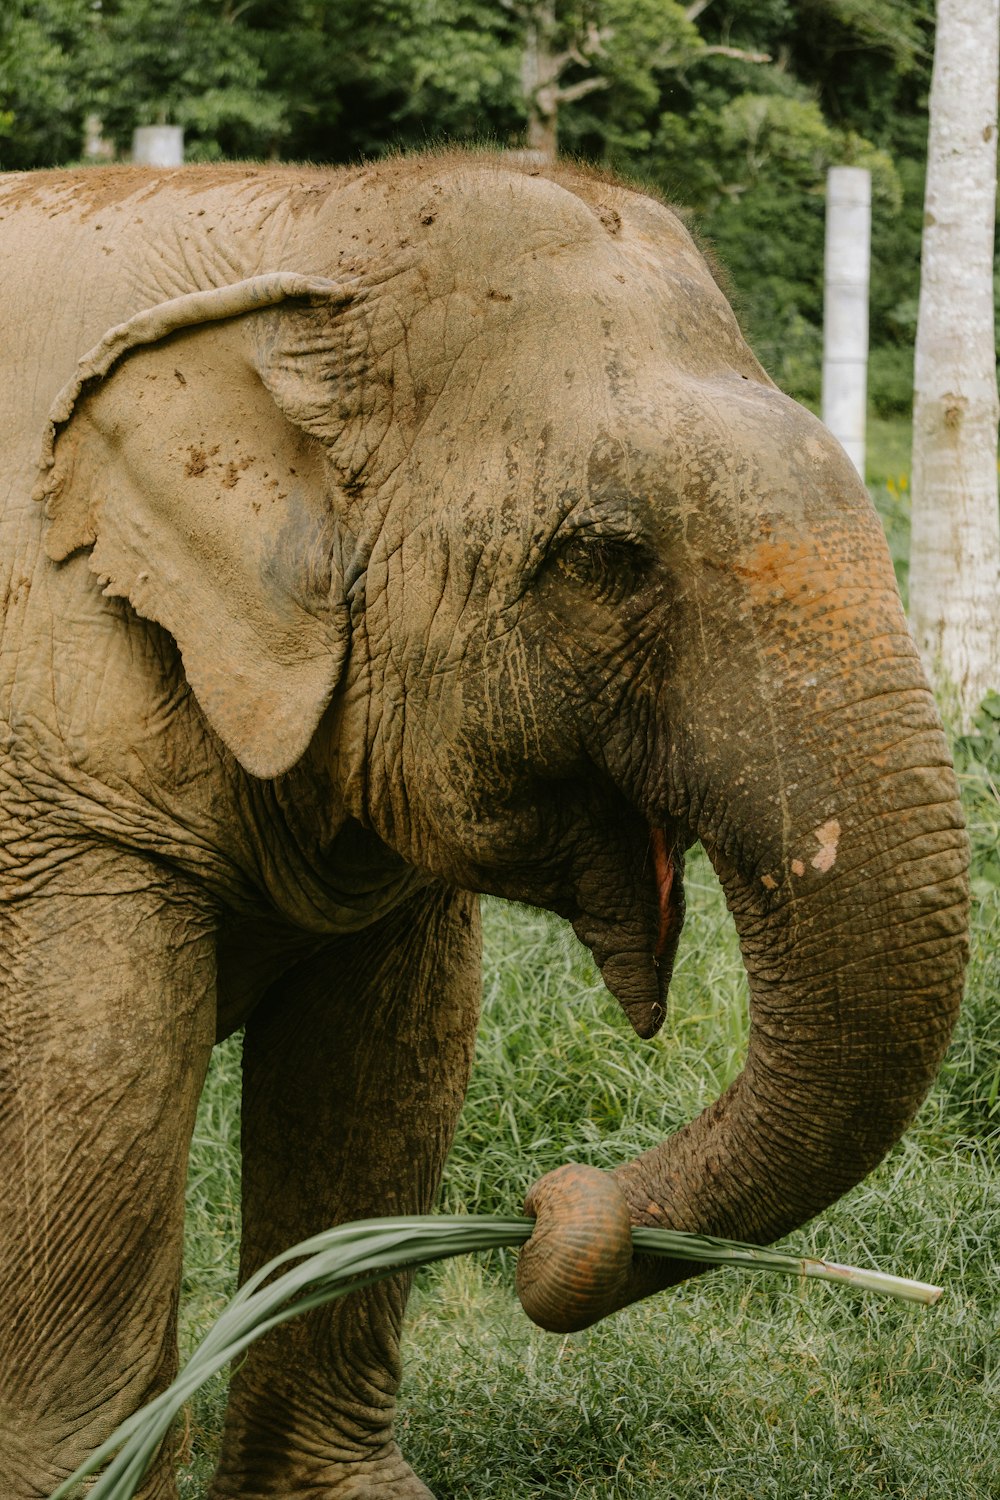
{"points": [[388, 1479], [354, 1070], [386, 1476], [107, 999], [393, 1480], [311, 1417]]}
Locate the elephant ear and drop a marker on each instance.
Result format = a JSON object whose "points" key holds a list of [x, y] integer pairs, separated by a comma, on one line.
{"points": [[209, 510]]}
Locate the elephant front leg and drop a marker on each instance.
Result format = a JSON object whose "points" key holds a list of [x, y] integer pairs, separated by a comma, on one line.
{"points": [[355, 1068], [107, 1015]]}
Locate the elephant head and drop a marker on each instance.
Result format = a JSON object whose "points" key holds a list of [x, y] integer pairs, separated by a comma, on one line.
{"points": [[497, 522]]}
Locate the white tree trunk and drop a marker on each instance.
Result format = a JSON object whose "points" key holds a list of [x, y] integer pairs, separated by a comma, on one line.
{"points": [[845, 307], [955, 546]]}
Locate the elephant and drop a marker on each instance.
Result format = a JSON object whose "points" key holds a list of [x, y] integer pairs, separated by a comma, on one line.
{"points": [[374, 538]]}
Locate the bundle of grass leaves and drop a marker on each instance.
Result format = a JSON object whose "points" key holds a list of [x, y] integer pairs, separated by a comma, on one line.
{"points": [[354, 1255]]}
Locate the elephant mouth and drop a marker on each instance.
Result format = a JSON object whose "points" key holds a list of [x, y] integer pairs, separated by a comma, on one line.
{"points": [[670, 902], [635, 946], [616, 876]]}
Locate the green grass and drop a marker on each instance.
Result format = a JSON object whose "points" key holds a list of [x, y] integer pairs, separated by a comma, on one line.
{"points": [[888, 474], [887, 451]]}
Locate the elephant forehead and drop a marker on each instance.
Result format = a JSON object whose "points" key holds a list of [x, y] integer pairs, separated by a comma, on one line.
{"points": [[568, 307], [460, 217], [495, 266], [477, 385]]}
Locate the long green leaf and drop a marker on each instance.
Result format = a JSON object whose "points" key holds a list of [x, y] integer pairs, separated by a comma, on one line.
{"points": [[355, 1255]]}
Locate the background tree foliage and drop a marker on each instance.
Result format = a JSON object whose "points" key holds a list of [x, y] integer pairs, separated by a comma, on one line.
{"points": [[732, 108]]}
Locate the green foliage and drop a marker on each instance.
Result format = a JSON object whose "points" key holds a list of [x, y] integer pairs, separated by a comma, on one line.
{"points": [[454, 66], [366, 76], [888, 452], [892, 501], [41, 115], [645, 41], [970, 1082], [969, 1087], [864, 68], [754, 170], [890, 379], [183, 62]]}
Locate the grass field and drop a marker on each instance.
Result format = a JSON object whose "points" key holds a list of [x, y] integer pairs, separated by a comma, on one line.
{"points": [[731, 1386]]}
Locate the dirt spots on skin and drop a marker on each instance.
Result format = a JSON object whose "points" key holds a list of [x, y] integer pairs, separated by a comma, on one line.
{"points": [[17, 589], [429, 211], [779, 570], [89, 191], [198, 461]]}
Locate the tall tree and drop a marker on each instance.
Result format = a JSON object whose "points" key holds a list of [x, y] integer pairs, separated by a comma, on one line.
{"points": [[955, 547], [573, 48]]}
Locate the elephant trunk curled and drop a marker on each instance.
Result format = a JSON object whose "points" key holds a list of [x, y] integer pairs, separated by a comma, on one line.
{"points": [[848, 889]]}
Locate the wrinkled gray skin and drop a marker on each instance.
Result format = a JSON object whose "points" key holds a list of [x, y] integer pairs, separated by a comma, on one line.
{"points": [[476, 553]]}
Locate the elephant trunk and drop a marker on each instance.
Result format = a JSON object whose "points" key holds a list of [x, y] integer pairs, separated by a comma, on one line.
{"points": [[843, 859], [851, 911]]}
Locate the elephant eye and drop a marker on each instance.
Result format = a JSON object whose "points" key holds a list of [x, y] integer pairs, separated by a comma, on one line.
{"points": [[609, 567]]}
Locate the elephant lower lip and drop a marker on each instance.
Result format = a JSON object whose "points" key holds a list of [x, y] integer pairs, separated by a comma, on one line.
{"points": [[627, 908], [636, 956], [668, 873]]}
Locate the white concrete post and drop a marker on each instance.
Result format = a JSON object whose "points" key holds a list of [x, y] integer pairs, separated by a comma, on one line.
{"points": [[845, 310], [158, 145]]}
